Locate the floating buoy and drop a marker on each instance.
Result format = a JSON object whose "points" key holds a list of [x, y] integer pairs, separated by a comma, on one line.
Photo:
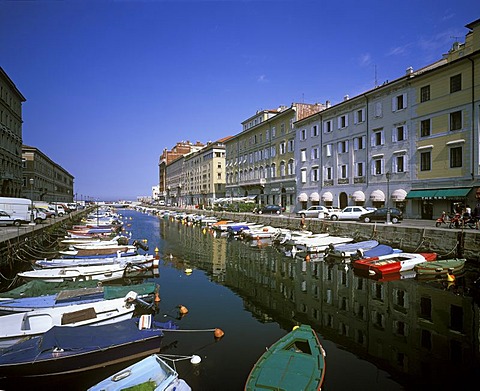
{"points": [[195, 359], [182, 309], [156, 249], [144, 240], [171, 256], [188, 271], [295, 327], [157, 297], [450, 277], [218, 333]]}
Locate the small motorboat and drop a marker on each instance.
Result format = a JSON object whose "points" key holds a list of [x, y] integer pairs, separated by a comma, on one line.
{"points": [[153, 370], [392, 263], [440, 267], [295, 362], [66, 350], [346, 250]]}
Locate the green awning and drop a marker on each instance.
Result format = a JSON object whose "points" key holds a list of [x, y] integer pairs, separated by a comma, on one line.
{"points": [[460, 192], [421, 193], [453, 193]]}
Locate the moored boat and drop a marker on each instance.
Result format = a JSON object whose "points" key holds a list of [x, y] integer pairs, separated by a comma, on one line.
{"points": [[152, 371], [346, 250], [392, 263], [295, 362], [440, 267]]}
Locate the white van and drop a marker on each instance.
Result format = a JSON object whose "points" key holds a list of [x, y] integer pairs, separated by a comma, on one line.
{"points": [[19, 210]]}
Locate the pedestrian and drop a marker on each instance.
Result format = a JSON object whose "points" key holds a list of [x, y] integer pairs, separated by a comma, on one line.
{"points": [[476, 210]]}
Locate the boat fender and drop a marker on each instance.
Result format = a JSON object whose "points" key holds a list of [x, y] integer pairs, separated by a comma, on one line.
{"points": [[218, 333], [182, 309], [195, 359]]}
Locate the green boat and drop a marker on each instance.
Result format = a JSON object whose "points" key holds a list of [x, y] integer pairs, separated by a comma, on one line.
{"points": [[440, 267], [295, 362]]}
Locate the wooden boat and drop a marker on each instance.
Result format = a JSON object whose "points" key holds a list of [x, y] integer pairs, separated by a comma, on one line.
{"points": [[84, 273], [295, 362], [346, 250], [66, 350], [440, 267], [152, 370], [75, 296], [392, 263], [24, 324]]}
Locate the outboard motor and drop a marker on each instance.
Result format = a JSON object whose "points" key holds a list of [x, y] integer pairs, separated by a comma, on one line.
{"points": [[138, 244]]}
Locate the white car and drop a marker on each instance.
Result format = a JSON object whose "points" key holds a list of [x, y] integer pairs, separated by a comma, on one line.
{"points": [[349, 213], [319, 211]]}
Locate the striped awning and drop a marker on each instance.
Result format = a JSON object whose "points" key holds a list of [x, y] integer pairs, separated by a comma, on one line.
{"points": [[302, 197], [327, 196], [358, 196], [314, 196], [399, 195], [377, 195]]}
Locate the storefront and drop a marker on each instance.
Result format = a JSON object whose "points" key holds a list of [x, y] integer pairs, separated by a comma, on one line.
{"points": [[432, 202]]}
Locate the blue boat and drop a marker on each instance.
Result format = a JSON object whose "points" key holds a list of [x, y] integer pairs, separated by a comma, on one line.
{"points": [[65, 350], [381, 249]]}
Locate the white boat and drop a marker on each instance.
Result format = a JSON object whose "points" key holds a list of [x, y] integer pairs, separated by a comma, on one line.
{"points": [[347, 250], [85, 273], [135, 259], [92, 250], [265, 232], [26, 324], [152, 369], [316, 245]]}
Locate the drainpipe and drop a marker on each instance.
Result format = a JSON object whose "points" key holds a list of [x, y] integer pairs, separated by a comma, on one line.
{"points": [[367, 146], [473, 121]]}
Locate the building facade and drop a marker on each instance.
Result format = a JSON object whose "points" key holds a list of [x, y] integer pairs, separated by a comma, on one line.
{"points": [[11, 100], [45, 180]]}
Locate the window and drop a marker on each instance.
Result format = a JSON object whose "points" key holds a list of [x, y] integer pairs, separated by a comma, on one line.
{"points": [[399, 102], [274, 131], [328, 149], [359, 143], [327, 127], [456, 83], [282, 169], [303, 175], [328, 173], [359, 169], [315, 152], [455, 157], [282, 128], [360, 116], [273, 151], [456, 120], [342, 146], [314, 132], [377, 138], [303, 134], [291, 167], [377, 166], [315, 174], [425, 128], [303, 155], [425, 161], [399, 133], [343, 171], [425, 94], [378, 111], [283, 147], [273, 171], [342, 122], [399, 163]]}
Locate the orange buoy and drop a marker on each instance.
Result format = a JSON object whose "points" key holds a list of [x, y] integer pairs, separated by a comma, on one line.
{"points": [[157, 297], [450, 277], [218, 333], [182, 309]]}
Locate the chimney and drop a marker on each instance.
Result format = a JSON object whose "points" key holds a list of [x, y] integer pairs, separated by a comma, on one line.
{"points": [[409, 71], [346, 97], [328, 104]]}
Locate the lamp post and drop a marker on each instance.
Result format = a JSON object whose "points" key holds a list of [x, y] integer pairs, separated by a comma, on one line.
{"points": [[388, 175], [32, 220]]}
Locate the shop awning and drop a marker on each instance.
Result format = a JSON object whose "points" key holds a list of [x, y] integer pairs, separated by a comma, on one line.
{"points": [[453, 193], [460, 192], [377, 195], [358, 196], [399, 195], [327, 196], [315, 196], [302, 197]]}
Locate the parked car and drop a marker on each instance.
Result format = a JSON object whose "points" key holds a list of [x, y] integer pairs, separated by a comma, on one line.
{"points": [[319, 211], [333, 209], [349, 213], [6, 219], [380, 214], [270, 209]]}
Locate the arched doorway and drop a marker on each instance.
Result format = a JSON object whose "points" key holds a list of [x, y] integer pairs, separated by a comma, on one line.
{"points": [[343, 199]]}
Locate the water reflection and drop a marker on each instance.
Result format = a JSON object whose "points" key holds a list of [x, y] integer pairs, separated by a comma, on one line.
{"points": [[420, 331]]}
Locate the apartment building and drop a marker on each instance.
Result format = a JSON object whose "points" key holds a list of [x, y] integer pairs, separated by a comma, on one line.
{"points": [[11, 100], [412, 142], [43, 179], [204, 174], [260, 160]]}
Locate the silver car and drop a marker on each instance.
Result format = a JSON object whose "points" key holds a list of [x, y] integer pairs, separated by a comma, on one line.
{"points": [[319, 211]]}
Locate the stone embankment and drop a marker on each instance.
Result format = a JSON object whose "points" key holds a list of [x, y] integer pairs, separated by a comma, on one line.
{"points": [[410, 238]]}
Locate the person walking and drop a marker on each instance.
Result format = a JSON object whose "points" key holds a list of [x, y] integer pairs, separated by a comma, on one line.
{"points": [[476, 210]]}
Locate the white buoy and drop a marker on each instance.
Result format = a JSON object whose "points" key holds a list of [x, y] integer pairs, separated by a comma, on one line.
{"points": [[195, 359]]}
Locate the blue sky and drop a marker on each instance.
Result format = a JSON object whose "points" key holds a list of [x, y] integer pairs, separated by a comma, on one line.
{"points": [[110, 84]]}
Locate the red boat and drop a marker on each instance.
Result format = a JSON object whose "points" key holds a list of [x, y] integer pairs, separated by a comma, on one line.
{"points": [[392, 263]]}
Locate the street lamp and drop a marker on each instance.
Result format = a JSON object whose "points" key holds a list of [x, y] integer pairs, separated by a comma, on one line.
{"points": [[388, 176], [31, 180]]}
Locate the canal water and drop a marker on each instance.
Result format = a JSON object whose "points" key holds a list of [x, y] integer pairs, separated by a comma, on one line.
{"points": [[403, 334]]}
